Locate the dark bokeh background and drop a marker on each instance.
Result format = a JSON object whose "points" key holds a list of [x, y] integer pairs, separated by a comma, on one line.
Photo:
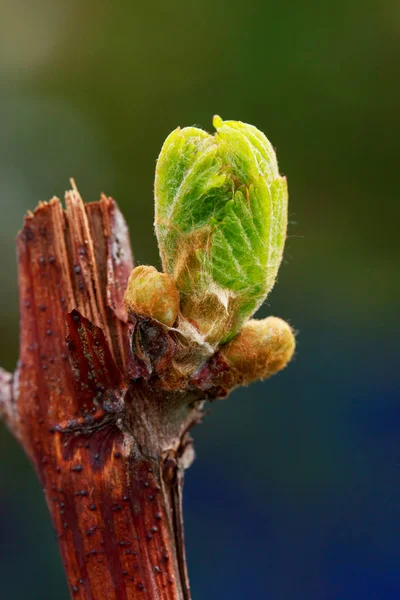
{"points": [[296, 491]]}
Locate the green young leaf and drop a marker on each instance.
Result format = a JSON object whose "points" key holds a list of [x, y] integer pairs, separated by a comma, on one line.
{"points": [[221, 216]]}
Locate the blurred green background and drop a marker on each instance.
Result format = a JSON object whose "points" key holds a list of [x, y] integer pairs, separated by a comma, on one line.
{"points": [[296, 490]]}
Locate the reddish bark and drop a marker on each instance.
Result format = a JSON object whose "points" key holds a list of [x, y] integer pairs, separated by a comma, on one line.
{"points": [[106, 431]]}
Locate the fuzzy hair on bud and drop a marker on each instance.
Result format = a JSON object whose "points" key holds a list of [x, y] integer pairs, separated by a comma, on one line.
{"points": [[221, 217], [152, 294], [261, 349]]}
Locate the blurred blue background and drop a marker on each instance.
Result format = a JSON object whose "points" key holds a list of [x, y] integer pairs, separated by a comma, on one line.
{"points": [[296, 490]]}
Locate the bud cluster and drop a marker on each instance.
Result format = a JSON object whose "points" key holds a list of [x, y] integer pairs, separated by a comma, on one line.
{"points": [[220, 220]]}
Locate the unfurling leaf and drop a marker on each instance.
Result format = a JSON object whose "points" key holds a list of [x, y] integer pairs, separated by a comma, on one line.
{"points": [[221, 216]]}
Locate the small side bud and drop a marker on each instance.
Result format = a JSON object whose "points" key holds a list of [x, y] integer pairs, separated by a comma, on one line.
{"points": [[261, 349], [152, 294]]}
